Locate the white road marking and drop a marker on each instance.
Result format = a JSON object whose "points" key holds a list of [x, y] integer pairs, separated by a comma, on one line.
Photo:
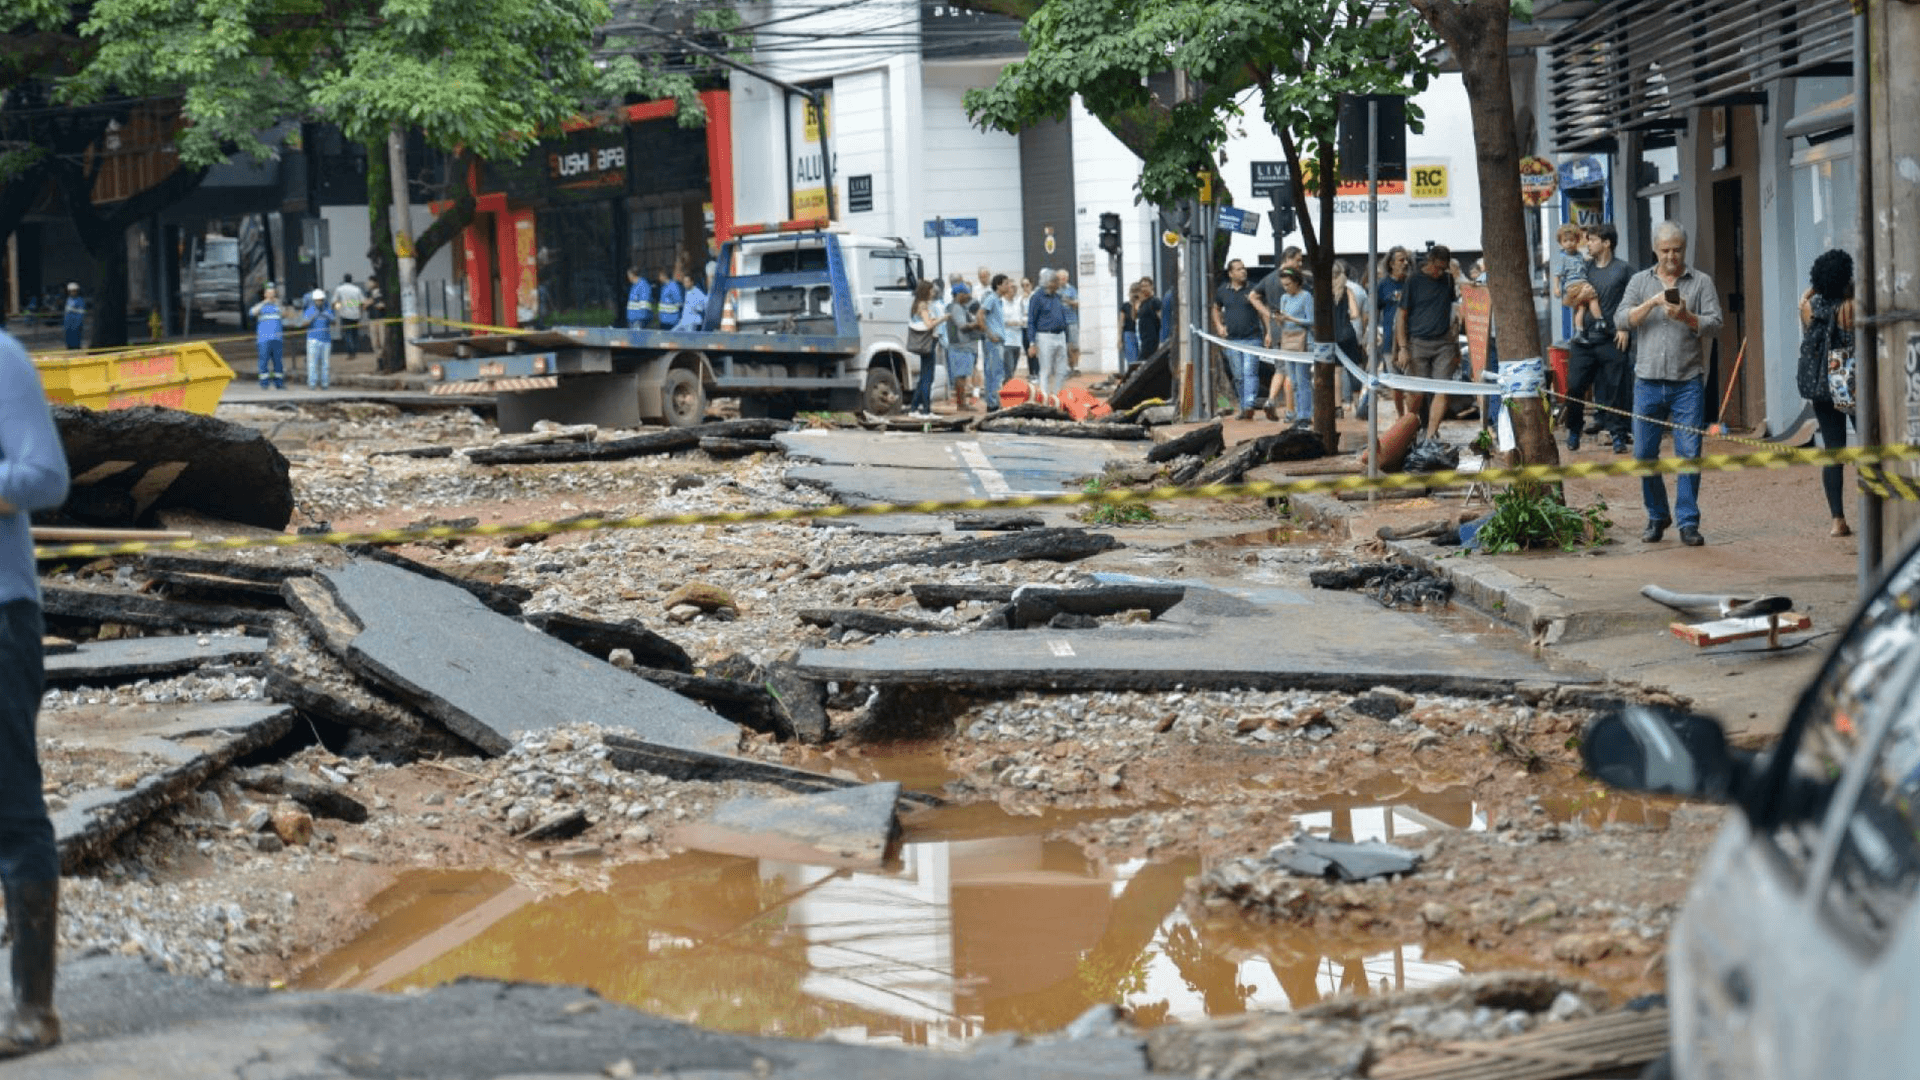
{"points": [[991, 482], [1060, 648]]}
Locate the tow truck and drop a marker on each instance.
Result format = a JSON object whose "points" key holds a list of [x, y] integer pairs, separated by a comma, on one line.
{"points": [[820, 322]]}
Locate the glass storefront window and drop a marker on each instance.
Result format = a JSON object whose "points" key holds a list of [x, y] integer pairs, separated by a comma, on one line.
{"points": [[1825, 200], [580, 280], [1659, 165]]}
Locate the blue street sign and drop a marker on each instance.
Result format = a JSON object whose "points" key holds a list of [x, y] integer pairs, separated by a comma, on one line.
{"points": [[953, 226], [1234, 219]]}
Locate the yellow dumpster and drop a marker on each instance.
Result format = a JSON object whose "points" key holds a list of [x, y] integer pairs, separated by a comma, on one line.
{"points": [[187, 375]]}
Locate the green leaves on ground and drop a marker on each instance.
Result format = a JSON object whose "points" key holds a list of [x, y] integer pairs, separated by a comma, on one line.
{"points": [[1532, 516]]}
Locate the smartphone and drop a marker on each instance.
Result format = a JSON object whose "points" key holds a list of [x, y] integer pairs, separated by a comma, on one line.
{"points": [[1673, 296]]}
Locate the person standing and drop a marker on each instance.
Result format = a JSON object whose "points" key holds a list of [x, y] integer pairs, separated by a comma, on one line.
{"points": [[1071, 297], [73, 321], [1129, 330], [693, 305], [351, 304], [1240, 317], [1348, 312], [1826, 323], [923, 326], [1671, 308], [1147, 318], [993, 332], [963, 344], [376, 317], [1047, 321], [1597, 359], [639, 299], [267, 338], [1292, 328], [1019, 338], [319, 317], [1426, 334], [1387, 291], [33, 476], [672, 297]]}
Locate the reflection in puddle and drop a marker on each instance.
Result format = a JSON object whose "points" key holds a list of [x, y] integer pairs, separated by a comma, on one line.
{"points": [[959, 938]]}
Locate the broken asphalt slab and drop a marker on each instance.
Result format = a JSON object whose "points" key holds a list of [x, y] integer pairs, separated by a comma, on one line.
{"points": [[853, 827], [1311, 856], [654, 442], [1055, 545], [862, 467], [124, 1018], [1217, 638], [128, 463], [156, 756], [98, 663], [486, 676]]}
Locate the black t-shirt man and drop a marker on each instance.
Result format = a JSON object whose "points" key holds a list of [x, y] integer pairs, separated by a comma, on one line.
{"points": [[1236, 310], [1428, 302], [1610, 281]]}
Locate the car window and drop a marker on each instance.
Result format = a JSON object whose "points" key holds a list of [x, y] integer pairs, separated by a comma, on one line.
{"points": [[1869, 673], [788, 262], [1877, 866], [888, 271]]}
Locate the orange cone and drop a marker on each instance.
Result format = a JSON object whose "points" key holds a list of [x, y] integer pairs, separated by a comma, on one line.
{"points": [[727, 323]]}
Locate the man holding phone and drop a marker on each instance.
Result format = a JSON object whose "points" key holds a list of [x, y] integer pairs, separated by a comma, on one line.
{"points": [[1672, 309]]}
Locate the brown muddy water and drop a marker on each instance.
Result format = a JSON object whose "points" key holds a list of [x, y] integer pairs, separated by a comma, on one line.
{"points": [[981, 924]]}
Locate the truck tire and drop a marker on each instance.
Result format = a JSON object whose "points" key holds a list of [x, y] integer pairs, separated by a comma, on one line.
{"points": [[683, 401], [882, 396]]}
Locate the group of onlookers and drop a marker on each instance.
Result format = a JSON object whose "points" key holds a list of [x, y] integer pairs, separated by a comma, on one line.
{"points": [[982, 330], [348, 311]]}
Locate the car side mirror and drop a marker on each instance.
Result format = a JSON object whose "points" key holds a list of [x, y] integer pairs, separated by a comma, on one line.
{"points": [[1661, 752]]}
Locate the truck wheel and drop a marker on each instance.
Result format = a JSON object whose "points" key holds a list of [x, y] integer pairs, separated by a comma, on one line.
{"points": [[683, 401], [882, 397]]}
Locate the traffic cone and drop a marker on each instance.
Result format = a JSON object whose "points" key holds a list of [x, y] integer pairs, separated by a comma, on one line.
{"points": [[727, 323]]}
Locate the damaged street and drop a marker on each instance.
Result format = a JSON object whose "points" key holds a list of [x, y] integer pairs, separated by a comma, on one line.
{"points": [[980, 783]]}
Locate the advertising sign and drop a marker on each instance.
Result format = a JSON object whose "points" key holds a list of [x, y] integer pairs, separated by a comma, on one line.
{"points": [[1476, 310], [805, 126]]}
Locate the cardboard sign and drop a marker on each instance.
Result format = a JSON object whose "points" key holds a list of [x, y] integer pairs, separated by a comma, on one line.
{"points": [[1476, 310]]}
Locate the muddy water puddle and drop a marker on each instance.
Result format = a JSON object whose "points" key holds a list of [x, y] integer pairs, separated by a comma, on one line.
{"points": [[980, 924]]}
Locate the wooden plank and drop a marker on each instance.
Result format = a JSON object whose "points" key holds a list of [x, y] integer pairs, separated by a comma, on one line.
{"points": [[53, 534], [1721, 631]]}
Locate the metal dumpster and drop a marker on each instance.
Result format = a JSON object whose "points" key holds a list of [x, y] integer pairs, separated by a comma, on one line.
{"points": [[186, 375]]}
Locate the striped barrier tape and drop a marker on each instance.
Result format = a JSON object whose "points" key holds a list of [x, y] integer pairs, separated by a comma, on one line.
{"points": [[1773, 459]]}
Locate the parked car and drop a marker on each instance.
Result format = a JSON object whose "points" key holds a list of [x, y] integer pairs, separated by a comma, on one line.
{"points": [[1797, 953], [212, 282]]}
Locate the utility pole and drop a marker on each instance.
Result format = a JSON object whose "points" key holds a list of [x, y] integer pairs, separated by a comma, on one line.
{"points": [[1888, 276], [403, 246]]}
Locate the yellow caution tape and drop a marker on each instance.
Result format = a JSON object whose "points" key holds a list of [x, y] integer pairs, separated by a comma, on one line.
{"points": [[1863, 456]]}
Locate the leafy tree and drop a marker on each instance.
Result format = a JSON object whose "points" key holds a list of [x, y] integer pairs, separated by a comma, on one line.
{"points": [[1294, 57], [477, 78]]}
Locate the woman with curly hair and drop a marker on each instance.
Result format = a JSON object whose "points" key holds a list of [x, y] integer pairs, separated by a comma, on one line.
{"points": [[1826, 321]]}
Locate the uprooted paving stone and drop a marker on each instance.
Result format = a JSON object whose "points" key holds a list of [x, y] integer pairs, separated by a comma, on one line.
{"points": [[654, 442], [851, 827], [1056, 545], [97, 663], [128, 463], [164, 754]]}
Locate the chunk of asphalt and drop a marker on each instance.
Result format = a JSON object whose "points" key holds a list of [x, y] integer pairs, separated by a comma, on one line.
{"points": [[1311, 856], [938, 595], [1294, 444], [745, 703], [179, 747], [654, 442], [629, 754], [322, 800], [505, 599], [1035, 605], [1065, 429], [128, 463], [732, 448], [102, 663], [867, 621], [997, 522], [486, 676], [801, 701], [308, 672], [1203, 442], [649, 649], [851, 827], [559, 825], [1053, 545], [99, 604]]}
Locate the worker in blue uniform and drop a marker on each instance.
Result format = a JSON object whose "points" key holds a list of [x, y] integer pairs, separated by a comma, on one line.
{"points": [[639, 300], [671, 296], [693, 305], [74, 321]]}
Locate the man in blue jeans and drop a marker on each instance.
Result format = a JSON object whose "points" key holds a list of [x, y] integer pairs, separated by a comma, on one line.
{"points": [[1240, 317], [33, 476], [1671, 309]]}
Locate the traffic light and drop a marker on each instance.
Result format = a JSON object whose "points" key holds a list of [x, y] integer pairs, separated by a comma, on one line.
{"points": [[1110, 233], [1281, 216]]}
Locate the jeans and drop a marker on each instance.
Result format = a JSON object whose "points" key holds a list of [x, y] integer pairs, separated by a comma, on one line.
{"points": [[319, 356], [1595, 370], [350, 336], [1833, 436], [1680, 401], [1011, 360], [1129, 351], [26, 833], [1246, 367], [1053, 362], [923, 386], [992, 371], [1302, 374], [271, 370]]}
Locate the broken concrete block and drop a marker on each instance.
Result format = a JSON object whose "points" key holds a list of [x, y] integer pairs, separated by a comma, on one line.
{"points": [[1064, 429], [1202, 442], [103, 663], [1056, 545], [654, 442], [321, 800], [102, 604], [178, 748], [938, 596], [560, 825], [128, 463], [867, 621], [1310, 856], [851, 827], [1037, 604], [645, 648]]}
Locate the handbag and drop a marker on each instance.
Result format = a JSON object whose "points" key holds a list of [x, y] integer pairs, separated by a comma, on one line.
{"points": [[1840, 378], [919, 342], [1294, 340]]}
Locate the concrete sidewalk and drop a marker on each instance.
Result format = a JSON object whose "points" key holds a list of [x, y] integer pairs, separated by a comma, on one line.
{"points": [[1766, 532]]}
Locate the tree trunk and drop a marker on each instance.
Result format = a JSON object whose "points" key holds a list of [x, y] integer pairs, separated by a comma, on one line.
{"points": [[403, 246], [1325, 376], [386, 270], [105, 235], [1476, 33]]}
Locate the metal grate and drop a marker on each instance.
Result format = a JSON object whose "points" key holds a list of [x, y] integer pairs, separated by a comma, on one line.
{"points": [[1642, 64]]}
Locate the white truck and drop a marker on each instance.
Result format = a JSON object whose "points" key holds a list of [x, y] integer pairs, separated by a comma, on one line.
{"points": [[820, 322]]}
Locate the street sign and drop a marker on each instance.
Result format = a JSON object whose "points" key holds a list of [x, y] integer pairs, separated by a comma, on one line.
{"points": [[952, 227], [1234, 219], [860, 194], [1170, 238], [1269, 177]]}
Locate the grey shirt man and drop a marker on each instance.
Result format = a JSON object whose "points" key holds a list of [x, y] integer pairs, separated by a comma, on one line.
{"points": [[1667, 348]]}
